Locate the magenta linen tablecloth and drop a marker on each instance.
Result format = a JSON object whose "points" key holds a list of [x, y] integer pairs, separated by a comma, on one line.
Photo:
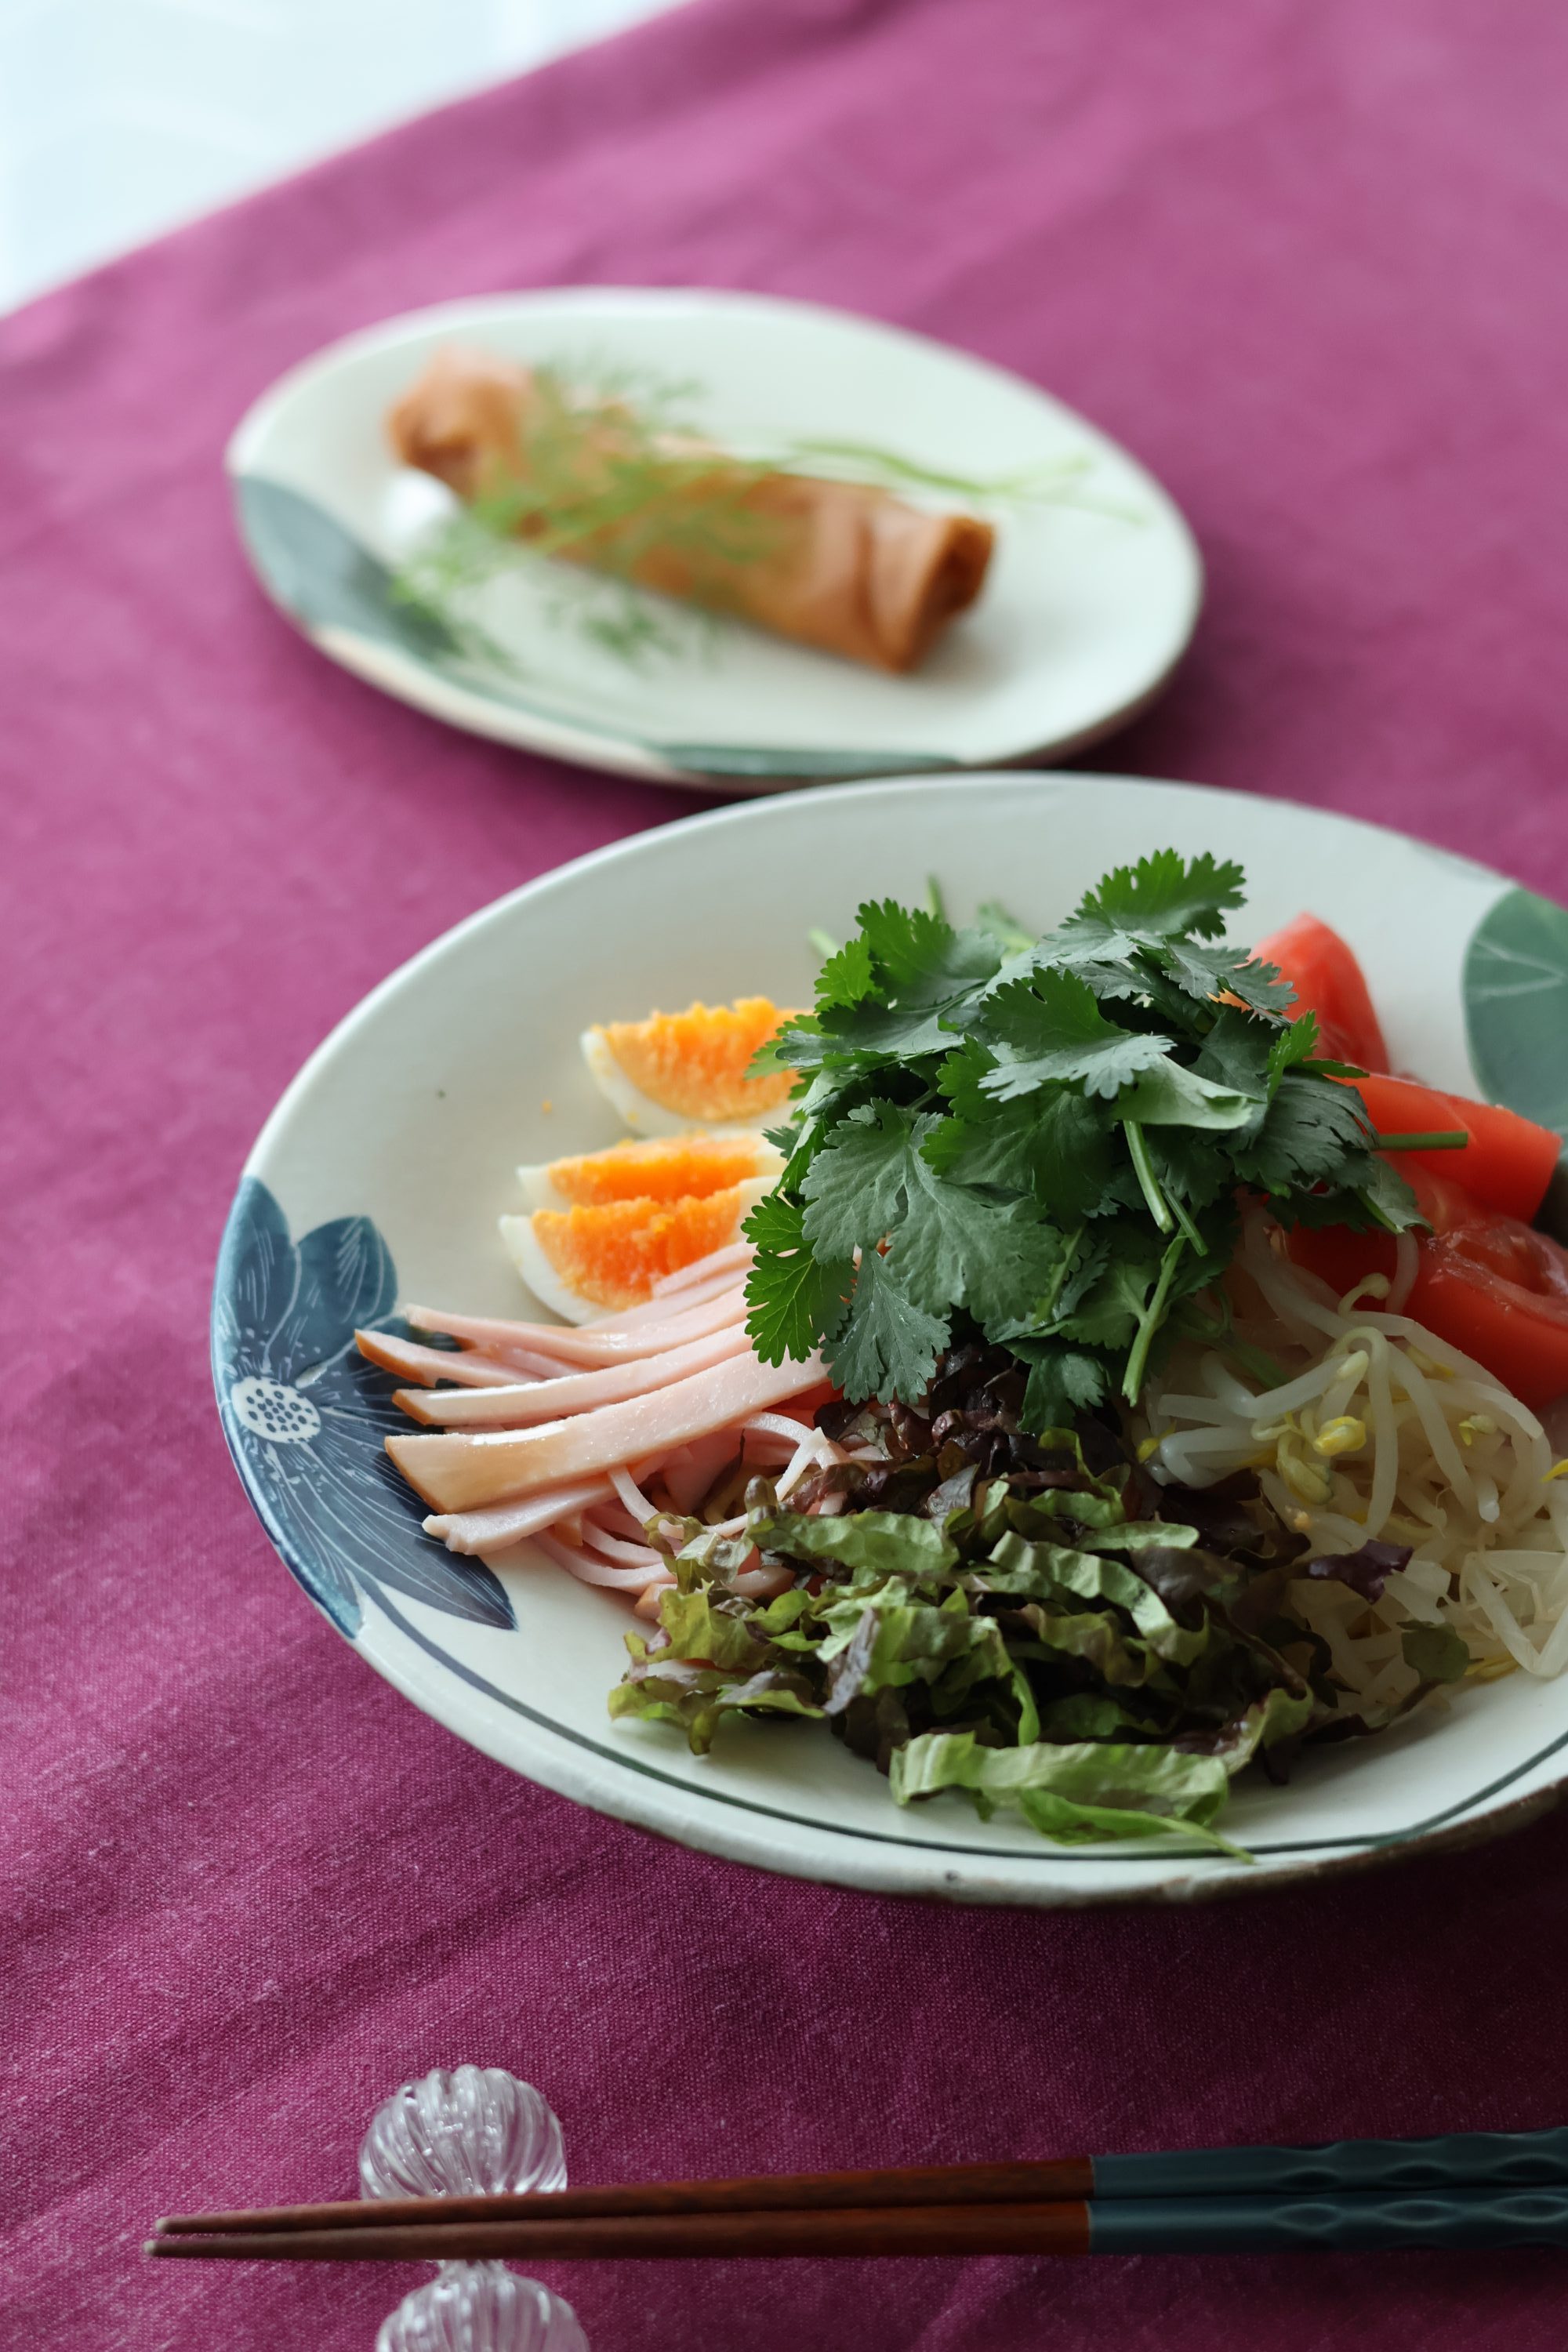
{"points": [[1305, 258]]}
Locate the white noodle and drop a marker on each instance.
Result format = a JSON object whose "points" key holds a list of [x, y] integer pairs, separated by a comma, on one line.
{"points": [[1444, 1453], [1377, 1429], [1407, 1260]]}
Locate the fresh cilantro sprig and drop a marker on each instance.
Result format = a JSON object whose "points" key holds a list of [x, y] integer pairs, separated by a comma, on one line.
{"points": [[1045, 1139]]}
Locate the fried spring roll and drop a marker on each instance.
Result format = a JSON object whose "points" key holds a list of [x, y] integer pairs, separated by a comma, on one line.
{"points": [[838, 565]]}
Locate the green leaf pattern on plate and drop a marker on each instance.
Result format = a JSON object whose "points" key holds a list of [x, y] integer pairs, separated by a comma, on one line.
{"points": [[322, 575], [1516, 1007]]}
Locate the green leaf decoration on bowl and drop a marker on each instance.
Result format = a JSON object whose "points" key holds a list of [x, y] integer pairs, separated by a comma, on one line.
{"points": [[1516, 1007]]}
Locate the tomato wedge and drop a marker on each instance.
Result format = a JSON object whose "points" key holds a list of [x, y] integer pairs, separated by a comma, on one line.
{"points": [[1485, 1281], [1506, 1163], [1328, 982]]}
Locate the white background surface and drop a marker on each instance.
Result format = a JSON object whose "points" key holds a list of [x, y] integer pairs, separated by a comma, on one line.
{"points": [[123, 118]]}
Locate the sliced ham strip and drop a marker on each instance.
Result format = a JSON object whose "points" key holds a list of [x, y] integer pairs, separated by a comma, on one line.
{"points": [[466, 1470], [477, 1531], [588, 1343], [520, 1407], [656, 1309], [728, 1260], [532, 1364], [410, 1361]]}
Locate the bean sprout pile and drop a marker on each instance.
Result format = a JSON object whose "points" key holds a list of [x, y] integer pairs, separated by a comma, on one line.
{"points": [[1379, 1431]]}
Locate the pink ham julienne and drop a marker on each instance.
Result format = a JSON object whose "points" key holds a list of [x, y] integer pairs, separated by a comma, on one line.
{"points": [[579, 1438]]}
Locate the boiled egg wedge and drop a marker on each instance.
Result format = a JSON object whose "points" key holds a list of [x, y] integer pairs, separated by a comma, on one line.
{"points": [[584, 1261], [602, 1228], [676, 1071]]}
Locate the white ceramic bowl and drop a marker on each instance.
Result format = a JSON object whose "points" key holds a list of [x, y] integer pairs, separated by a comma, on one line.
{"points": [[383, 1170]]}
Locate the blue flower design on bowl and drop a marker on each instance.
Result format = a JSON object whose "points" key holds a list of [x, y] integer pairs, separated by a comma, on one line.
{"points": [[305, 1415]]}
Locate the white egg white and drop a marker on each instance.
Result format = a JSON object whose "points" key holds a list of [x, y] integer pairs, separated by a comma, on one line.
{"points": [[540, 1276]]}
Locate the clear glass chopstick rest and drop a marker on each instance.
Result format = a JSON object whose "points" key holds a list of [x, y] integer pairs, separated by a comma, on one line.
{"points": [[481, 2308], [477, 2131]]}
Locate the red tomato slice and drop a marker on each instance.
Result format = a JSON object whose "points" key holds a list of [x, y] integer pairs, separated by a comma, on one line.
{"points": [[1507, 1162], [1500, 1291], [1327, 981], [1486, 1282], [1340, 1257]]}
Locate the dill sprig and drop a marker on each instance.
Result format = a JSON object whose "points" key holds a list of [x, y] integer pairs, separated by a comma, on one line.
{"points": [[603, 480]]}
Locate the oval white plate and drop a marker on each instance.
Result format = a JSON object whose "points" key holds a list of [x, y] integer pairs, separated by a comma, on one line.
{"points": [[381, 1174], [1088, 609]]}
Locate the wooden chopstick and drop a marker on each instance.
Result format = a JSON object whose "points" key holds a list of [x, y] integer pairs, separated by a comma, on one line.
{"points": [[1469, 2189], [1334, 2221], [905, 2185], [976, 2229]]}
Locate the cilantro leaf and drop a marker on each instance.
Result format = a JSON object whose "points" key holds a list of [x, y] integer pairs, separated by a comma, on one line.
{"points": [[1172, 1095], [887, 1346], [1109, 1315], [922, 971], [997, 1150], [830, 1097], [1054, 1144], [857, 1185], [1386, 1198], [1314, 1132], [1206, 972], [920, 958], [845, 976], [1297, 1043], [1190, 1164], [795, 1298], [1137, 933], [962, 1248], [949, 1245], [1162, 897], [1048, 1138], [1074, 1157], [1062, 1383], [1088, 1262], [871, 1032], [1051, 1028], [801, 1046], [1238, 1054]]}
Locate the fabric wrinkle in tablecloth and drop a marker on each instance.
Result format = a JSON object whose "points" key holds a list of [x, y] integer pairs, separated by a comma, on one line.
{"points": [[1302, 258]]}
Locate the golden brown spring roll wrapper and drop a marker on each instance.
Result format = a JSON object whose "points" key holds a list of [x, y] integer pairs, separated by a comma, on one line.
{"points": [[850, 570]]}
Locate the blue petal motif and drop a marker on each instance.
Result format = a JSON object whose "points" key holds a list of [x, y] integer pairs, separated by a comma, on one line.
{"points": [[305, 1415]]}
